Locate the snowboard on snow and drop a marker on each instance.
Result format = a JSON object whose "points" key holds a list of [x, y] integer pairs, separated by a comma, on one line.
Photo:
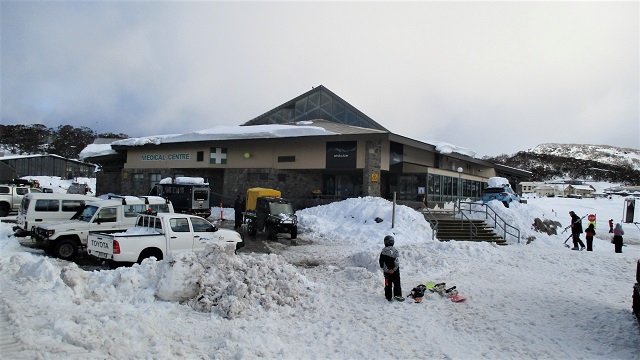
{"points": [[442, 290]]}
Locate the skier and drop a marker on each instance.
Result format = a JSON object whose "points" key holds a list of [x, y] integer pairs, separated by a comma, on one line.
{"points": [[390, 264], [576, 230], [590, 233], [617, 238]]}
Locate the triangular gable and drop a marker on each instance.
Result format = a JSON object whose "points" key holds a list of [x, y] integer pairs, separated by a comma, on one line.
{"points": [[317, 103]]}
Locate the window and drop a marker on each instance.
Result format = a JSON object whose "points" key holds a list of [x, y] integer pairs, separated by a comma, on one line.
{"points": [[138, 177], [134, 210], [72, 205], [201, 225], [47, 205], [107, 215], [162, 208], [179, 225], [290, 158], [200, 156], [154, 179], [4, 190]]}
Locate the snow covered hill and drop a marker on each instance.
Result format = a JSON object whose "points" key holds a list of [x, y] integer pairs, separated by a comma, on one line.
{"points": [[601, 153]]}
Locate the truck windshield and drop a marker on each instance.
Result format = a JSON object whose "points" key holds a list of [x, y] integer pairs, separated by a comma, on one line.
{"points": [[86, 214], [200, 195], [280, 208]]}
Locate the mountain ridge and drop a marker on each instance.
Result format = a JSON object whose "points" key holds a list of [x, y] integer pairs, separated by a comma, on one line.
{"points": [[577, 161]]}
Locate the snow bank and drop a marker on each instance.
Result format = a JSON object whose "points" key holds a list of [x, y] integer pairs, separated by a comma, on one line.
{"points": [[338, 227]]}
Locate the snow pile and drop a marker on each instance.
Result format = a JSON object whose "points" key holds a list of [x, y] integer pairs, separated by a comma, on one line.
{"points": [[322, 296], [363, 220], [237, 285], [497, 181]]}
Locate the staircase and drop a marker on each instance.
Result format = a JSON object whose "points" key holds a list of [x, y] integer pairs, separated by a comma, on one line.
{"points": [[446, 227], [466, 230]]}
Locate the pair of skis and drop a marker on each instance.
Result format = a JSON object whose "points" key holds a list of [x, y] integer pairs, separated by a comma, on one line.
{"points": [[442, 290]]}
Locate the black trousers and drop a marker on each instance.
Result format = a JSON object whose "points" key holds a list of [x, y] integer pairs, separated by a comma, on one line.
{"points": [[589, 243], [577, 241], [617, 242], [392, 285]]}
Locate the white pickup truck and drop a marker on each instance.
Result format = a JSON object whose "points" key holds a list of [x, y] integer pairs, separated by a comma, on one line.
{"points": [[64, 239], [158, 235]]}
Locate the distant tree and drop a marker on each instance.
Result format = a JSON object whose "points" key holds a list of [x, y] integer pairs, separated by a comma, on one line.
{"points": [[113, 136], [33, 138], [68, 141], [8, 139]]}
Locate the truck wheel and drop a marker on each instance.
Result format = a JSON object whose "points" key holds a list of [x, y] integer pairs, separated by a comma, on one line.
{"points": [[294, 232], [271, 232], [149, 253], [252, 229], [66, 249], [4, 209]]}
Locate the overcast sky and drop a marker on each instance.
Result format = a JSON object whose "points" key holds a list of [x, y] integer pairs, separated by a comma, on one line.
{"points": [[495, 77]]}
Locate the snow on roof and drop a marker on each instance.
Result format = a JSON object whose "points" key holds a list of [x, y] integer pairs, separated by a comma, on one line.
{"points": [[446, 148], [93, 150], [184, 180], [229, 133], [583, 187]]}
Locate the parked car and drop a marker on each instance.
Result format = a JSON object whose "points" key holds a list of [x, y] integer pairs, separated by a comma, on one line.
{"points": [[39, 209], [11, 197], [502, 193], [63, 239], [156, 236]]}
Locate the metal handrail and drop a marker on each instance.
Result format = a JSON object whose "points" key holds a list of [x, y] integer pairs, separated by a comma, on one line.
{"points": [[473, 229], [434, 227], [491, 214]]}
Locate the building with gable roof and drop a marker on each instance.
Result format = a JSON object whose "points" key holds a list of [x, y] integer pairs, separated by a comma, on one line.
{"points": [[314, 148]]}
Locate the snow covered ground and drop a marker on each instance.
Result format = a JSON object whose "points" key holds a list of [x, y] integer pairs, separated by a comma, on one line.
{"points": [[322, 298]]}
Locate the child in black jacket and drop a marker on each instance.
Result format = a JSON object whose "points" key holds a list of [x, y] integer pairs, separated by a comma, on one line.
{"points": [[390, 265]]}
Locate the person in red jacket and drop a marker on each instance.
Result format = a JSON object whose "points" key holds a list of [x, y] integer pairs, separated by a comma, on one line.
{"points": [[611, 226], [590, 233]]}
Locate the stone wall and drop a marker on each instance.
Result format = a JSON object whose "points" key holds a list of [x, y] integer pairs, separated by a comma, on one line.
{"points": [[295, 185], [371, 174]]}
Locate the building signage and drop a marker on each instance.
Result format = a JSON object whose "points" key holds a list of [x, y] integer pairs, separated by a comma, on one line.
{"points": [[163, 157], [342, 154], [218, 156]]}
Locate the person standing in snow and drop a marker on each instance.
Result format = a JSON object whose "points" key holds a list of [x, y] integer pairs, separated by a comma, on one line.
{"points": [[390, 265], [576, 230], [590, 233], [611, 226], [617, 238]]}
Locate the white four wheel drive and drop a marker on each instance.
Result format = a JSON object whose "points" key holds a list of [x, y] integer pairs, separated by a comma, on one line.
{"points": [[64, 239], [158, 235]]}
